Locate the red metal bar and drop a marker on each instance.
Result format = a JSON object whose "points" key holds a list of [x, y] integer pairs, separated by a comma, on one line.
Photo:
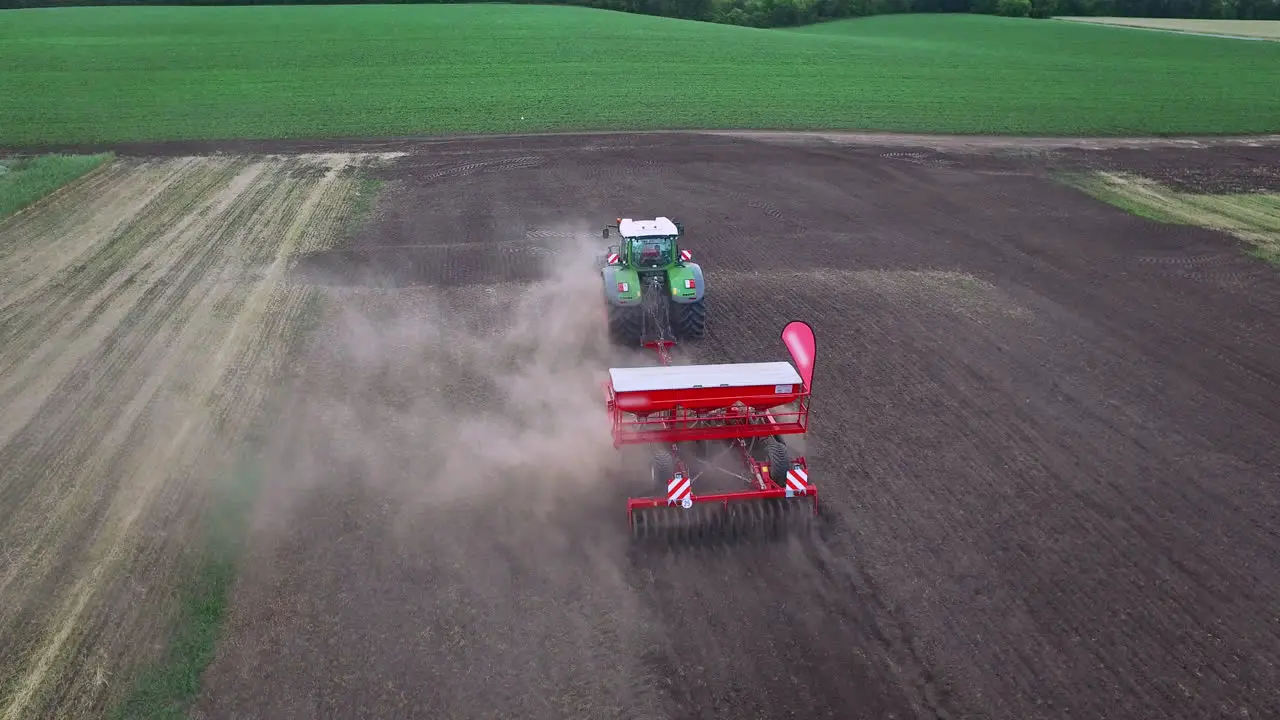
{"points": [[690, 424], [756, 469], [724, 498], [724, 432], [660, 347], [767, 490]]}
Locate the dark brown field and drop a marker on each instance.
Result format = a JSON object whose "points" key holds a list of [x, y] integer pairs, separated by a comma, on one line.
{"points": [[1045, 433]]}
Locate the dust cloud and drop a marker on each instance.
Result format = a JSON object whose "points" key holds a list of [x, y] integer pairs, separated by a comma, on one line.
{"points": [[443, 483], [447, 398]]}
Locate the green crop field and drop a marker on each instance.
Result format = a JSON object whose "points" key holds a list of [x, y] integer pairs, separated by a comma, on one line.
{"points": [[92, 75]]}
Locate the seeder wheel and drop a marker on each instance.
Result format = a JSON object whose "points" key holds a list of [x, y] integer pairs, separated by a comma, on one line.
{"points": [[662, 467], [779, 458]]}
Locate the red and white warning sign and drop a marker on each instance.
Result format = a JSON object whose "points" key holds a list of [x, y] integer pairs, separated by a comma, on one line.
{"points": [[680, 490], [797, 480]]}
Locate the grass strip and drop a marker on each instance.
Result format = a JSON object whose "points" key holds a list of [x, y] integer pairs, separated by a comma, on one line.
{"points": [[166, 689], [1252, 217], [25, 180]]}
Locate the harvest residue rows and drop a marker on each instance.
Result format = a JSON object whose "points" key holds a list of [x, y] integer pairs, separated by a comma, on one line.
{"points": [[143, 320]]}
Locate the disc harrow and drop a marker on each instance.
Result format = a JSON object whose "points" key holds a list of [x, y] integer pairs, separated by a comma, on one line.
{"points": [[725, 422], [762, 520]]}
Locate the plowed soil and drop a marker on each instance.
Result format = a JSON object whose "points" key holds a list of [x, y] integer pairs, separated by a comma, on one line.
{"points": [[1044, 433]]}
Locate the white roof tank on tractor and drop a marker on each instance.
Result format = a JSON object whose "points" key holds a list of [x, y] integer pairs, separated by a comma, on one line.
{"points": [[641, 228]]}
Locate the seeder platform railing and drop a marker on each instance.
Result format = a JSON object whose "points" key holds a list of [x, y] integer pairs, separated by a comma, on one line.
{"points": [[734, 415]]}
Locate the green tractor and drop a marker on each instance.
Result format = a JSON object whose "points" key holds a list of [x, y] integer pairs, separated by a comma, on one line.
{"points": [[652, 287]]}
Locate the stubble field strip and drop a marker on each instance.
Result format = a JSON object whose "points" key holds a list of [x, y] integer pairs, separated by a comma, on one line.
{"points": [[1244, 29], [1253, 217], [144, 318]]}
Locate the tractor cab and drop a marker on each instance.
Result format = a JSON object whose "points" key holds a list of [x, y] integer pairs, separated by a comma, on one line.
{"points": [[653, 251], [652, 244], [647, 277]]}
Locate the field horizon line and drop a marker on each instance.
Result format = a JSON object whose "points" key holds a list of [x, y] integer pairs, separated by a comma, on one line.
{"points": [[304, 144]]}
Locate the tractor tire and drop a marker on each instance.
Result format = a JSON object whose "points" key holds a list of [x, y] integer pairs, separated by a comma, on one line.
{"points": [[625, 325], [779, 460], [663, 467], [689, 320]]}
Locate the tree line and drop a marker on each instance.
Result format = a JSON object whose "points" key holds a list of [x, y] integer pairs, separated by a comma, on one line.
{"points": [[785, 13]]}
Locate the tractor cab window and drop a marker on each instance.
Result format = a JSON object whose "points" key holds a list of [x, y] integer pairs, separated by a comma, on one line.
{"points": [[651, 251]]}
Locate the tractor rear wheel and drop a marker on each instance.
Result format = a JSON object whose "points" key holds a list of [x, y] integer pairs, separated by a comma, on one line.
{"points": [[625, 324], [690, 319], [663, 467]]}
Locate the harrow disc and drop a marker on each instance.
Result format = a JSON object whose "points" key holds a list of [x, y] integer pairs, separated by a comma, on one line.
{"points": [[714, 523]]}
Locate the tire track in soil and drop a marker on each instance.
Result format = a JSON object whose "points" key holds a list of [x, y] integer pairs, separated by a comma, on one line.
{"points": [[466, 170], [923, 159], [1225, 270], [438, 264], [132, 420]]}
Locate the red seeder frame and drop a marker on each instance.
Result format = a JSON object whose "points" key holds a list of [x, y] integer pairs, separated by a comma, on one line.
{"points": [[733, 414]]}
